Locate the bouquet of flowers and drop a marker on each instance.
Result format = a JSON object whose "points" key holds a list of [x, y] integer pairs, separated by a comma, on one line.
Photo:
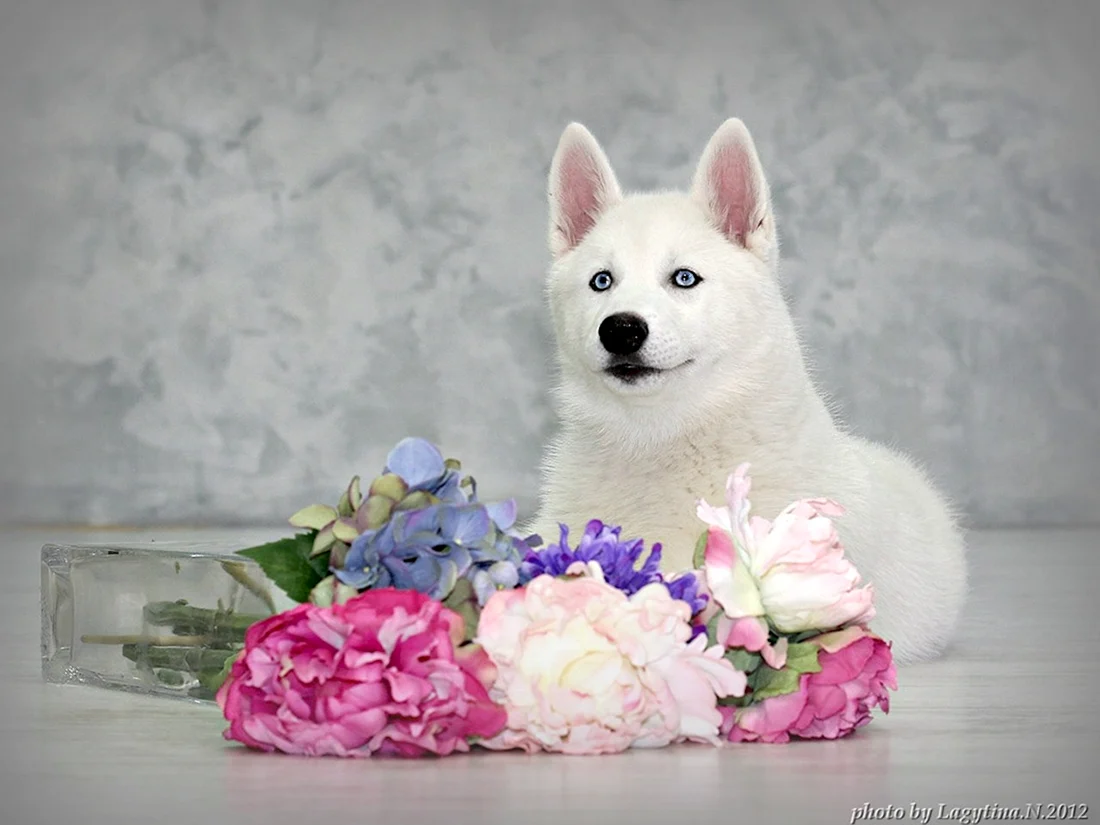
{"points": [[427, 625]]}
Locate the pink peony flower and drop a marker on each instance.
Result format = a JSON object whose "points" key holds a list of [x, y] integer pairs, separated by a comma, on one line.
{"points": [[792, 570], [376, 675], [856, 670], [585, 669]]}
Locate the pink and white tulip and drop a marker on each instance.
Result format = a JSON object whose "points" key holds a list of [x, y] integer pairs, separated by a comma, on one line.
{"points": [[791, 572]]}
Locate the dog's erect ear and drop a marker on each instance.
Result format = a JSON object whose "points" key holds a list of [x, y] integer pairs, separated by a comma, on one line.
{"points": [[730, 186], [582, 185]]}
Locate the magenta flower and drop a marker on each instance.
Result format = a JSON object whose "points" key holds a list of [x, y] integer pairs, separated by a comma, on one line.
{"points": [[856, 670], [378, 674]]}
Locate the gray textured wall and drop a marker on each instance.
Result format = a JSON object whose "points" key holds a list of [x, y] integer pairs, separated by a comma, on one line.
{"points": [[246, 246]]}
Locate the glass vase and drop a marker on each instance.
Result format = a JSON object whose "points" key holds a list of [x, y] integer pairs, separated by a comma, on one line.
{"points": [[159, 618]]}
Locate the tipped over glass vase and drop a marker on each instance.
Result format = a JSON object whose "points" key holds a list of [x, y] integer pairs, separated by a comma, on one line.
{"points": [[154, 618]]}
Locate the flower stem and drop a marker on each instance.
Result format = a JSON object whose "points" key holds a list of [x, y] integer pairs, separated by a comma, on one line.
{"points": [[239, 573], [187, 620], [189, 659], [144, 639]]}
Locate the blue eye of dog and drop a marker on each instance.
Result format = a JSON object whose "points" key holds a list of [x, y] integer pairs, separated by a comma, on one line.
{"points": [[601, 281], [685, 278]]}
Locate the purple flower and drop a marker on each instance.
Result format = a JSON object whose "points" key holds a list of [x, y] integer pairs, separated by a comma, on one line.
{"points": [[685, 587], [617, 558]]}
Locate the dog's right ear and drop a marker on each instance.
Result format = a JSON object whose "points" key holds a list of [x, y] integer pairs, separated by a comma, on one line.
{"points": [[582, 186]]}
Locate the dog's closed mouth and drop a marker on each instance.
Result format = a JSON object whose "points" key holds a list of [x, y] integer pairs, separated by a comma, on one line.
{"points": [[630, 373]]}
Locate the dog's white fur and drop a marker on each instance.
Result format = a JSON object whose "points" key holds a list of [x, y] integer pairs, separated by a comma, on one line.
{"points": [[735, 387]]}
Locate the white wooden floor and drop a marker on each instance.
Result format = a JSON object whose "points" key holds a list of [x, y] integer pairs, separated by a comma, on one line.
{"points": [[1011, 716]]}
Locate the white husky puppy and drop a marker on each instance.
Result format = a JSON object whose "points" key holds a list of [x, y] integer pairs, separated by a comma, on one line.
{"points": [[679, 360]]}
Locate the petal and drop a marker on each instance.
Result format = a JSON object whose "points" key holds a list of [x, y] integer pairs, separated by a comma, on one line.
{"points": [[421, 575], [728, 580], [466, 525], [738, 486], [772, 717], [504, 574], [503, 513], [450, 489], [323, 541], [714, 516], [354, 494], [345, 530], [775, 657], [720, 556], [357, 554], [389, 485], [324, 592], [748, 632], [379, 542], [483, 586], [359, 579], [314, 517], [445, 583], [373, 513], [417, 461], [423, 523]]}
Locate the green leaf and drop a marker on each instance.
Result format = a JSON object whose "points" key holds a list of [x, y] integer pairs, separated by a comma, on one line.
{"points": [[320, 567], [470, 615], [712, 630], [735, 701], [769, 682], [743, 660], [802, 657], [700, 552], [463, 601], [212, 680], [462, 591], [288, 564], [804, 635]]}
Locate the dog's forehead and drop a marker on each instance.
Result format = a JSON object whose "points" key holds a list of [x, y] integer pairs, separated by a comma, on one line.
{"points": [[654, 212], [649, 231]]}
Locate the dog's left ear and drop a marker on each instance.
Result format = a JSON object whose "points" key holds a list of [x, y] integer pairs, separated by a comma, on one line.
{"points": [[730, 186]]}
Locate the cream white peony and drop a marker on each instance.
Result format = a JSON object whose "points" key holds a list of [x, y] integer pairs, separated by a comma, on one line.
{"points": [[585, 669]]}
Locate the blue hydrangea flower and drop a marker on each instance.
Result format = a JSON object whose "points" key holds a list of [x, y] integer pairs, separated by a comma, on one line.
{"points": [[424, 550], [501, 575], [617, 558], [421, 466], [429, 549]]}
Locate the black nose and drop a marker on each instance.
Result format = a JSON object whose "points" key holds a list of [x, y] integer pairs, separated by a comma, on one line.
{"points": [[623, 333]]}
